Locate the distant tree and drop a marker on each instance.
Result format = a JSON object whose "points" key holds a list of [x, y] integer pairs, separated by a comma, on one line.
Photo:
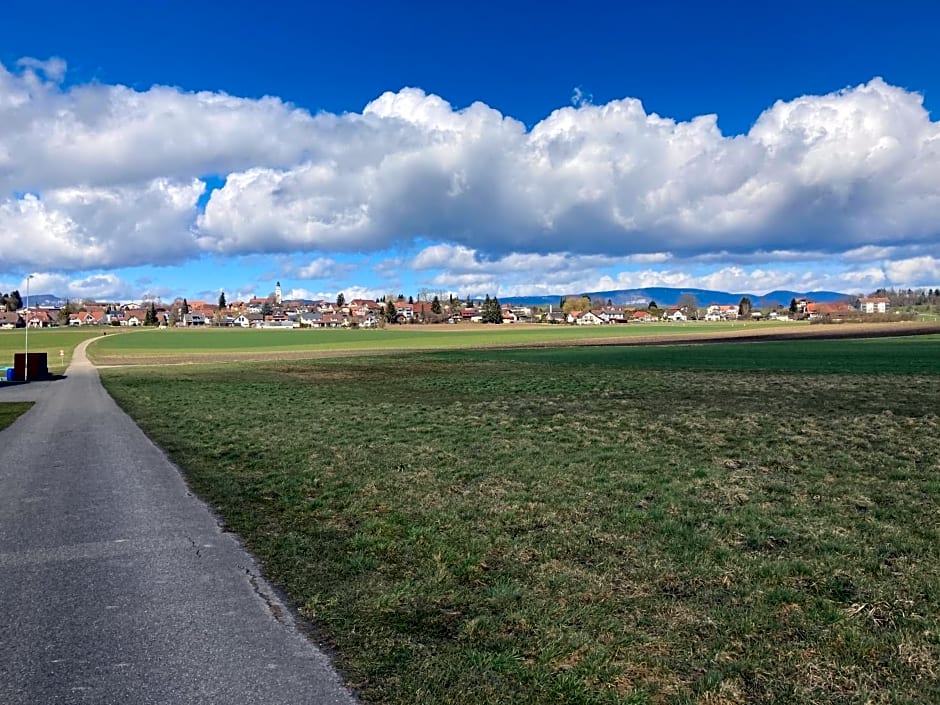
{"points": [[15, 301], [62, 318], [469, 302], [411, 300], [580, 303], [794, 306], [651, 305], [185, 307], [744, 307], [391, 314], [401, 297], [689, 305], [491, 312], [176, 311], [267, 308], [150, 318], [222, 300], [436, 307], [340, 300]]}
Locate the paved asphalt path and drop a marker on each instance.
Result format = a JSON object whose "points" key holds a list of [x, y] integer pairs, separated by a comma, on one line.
{"points": [[116, 584]]}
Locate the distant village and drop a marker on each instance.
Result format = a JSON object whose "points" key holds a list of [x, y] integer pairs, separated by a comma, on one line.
{"points": [[274, 311]]}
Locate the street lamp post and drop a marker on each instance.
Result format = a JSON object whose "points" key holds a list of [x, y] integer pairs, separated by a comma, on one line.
{"points": [[26, 334]]}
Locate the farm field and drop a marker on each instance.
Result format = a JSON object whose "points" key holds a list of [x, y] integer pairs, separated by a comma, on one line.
{"points": [[724, 523], [220, 345], [48, 340]]}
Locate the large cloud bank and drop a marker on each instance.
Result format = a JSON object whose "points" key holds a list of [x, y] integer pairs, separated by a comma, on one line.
{"points": [[99, 175]]}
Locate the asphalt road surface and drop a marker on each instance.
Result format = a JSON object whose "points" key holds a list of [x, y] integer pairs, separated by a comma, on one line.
{"points": [[116, 584]]}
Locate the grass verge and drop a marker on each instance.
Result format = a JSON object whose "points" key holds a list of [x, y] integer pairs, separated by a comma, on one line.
{"points": [[713, 524], [11, 411]]}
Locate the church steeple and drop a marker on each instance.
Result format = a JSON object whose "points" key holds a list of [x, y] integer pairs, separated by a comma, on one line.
{"points": [[277, 294]]}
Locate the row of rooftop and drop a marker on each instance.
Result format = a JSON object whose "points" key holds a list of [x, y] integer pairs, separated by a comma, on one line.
{"points": [[256, 313]]}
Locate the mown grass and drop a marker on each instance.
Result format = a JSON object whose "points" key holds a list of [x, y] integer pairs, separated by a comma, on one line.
{"points": [[915, 354], [48, 340], [585, 525], [213, 341], [11, 411]]}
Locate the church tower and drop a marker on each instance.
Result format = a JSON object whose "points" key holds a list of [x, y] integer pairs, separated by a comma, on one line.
{"points": [[277, 294]]}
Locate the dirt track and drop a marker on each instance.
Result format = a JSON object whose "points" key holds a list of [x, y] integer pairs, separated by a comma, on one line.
{"points": [[747, 333]]}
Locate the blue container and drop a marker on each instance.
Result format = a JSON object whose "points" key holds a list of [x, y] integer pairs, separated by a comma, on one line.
{"points": [[10, 374]]}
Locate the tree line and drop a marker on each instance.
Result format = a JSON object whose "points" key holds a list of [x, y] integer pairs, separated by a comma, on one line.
{"points": [[11, 302]]}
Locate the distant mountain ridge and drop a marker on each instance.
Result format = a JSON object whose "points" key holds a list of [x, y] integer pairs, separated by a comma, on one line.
{"points": [[662, 295], [669, 296], [43, 300]]}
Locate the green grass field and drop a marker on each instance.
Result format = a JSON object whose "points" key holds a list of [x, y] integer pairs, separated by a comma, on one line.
{"points": [[11, 411], [720, 524], [214, 342], [48, 340], [916, 354]]}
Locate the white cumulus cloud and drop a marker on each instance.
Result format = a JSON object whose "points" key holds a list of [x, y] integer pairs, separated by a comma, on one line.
{"points": [[109, 176]]}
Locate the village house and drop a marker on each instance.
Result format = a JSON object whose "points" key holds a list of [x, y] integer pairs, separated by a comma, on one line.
{"points": [[11, 319], [674, 314], [877, 304], [816, 311], [39, 318], [587, 318], [721, 312], [87, 318]]}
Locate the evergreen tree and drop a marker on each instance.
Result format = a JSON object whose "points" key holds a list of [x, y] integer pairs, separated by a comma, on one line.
{"points": [[340, 300], [150, 318], [185, 307], [491, 312], [411, 300], [222, 300], [794, 307], [469, 302], [391, 315], [436, 306], [744, 308], [497, 311], [14, 301]]}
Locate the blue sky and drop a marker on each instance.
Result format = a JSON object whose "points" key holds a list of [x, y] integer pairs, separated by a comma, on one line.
{"points": [[503, 148]]}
